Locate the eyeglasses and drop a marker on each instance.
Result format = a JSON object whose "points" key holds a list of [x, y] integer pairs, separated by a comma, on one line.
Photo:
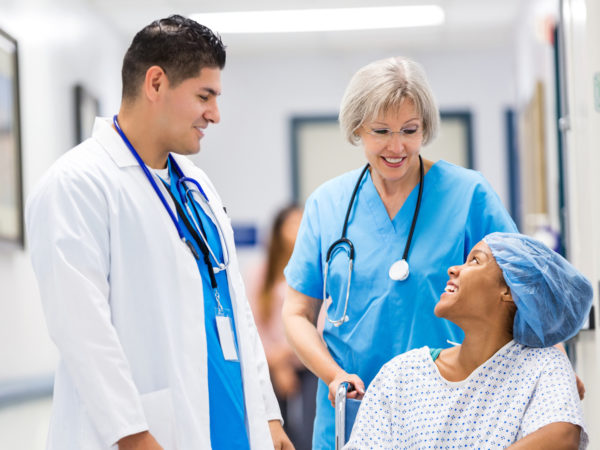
{"points": [[385, 134]]}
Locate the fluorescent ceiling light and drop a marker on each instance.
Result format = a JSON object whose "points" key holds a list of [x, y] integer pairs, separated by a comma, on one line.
{"points": [[303, 20]]}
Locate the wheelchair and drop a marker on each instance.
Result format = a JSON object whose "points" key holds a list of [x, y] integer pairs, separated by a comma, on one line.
{"points": [[345, 413]]}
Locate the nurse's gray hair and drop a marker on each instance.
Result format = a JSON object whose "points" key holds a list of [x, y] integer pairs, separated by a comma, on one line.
{"points": [[382, 86]]}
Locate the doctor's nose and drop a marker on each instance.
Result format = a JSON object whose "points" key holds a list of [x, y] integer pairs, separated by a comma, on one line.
{"points": [[212, 114]]}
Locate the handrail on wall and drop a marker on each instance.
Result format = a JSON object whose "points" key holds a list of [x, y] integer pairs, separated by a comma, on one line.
{"points": [[25, 389]]}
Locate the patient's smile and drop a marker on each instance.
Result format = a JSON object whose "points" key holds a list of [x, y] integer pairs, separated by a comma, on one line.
{"points": [[451, 287]]}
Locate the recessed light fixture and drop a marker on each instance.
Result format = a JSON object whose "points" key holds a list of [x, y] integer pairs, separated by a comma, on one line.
{"points": [[306, 20]]}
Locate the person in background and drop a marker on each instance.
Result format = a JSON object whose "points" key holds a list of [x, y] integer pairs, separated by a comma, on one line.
{"points": [[407, 219], [135, 261], [295, 386], [505, 386]]}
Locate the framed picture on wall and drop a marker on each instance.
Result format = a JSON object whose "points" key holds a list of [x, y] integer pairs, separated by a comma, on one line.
{"points": [[11, 188], [454, 142], [320, 151], [87, 107]]}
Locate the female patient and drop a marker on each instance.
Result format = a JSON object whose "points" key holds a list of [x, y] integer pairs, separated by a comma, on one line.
{"points": [[505, 385]]}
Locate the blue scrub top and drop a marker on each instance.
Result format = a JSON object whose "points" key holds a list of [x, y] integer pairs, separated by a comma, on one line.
{"points": [[225, 388], [388, 317]]}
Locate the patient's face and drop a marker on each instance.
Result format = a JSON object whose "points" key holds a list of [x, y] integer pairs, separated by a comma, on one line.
{"points": [[474, 288]]}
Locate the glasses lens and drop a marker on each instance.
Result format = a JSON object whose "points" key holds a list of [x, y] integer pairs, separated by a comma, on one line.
{"points": [[384, 134]]}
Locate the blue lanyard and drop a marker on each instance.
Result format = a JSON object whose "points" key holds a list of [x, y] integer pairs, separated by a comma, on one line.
{"points": [[155, 186]]}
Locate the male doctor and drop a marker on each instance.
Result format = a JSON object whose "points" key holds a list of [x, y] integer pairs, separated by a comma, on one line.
{"points": [[135, 259]]}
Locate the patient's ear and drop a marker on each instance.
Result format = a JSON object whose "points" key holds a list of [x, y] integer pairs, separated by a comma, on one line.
{"points": [[505, 295]]}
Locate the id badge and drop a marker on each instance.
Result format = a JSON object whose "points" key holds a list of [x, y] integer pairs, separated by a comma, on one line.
{"points": [[226, 339]]}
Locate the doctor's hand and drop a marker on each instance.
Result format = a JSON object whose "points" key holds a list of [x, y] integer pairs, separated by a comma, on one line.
{"points": [[359, 387], [280, 439], [139, 441]]}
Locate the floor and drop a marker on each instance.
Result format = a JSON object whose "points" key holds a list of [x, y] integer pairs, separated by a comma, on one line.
{"points": [[25, 425]]}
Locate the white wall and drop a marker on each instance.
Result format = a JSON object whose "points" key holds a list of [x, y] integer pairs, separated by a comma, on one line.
{"points": [[56, 50]]}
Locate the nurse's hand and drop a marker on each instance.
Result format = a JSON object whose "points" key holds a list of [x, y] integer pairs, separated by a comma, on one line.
{"points": [[280, 439], [139, 441], [580, 387], [359, 387]]}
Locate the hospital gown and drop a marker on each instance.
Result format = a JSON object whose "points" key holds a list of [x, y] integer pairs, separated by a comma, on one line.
{"points": [[514, 393], [386, 317]]}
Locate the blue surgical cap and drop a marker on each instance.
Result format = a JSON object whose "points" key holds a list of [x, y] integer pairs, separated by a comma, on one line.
{"points": [[553, 299]]}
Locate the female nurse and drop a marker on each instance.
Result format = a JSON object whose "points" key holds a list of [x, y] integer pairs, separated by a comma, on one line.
{"points": [[399, 224]]}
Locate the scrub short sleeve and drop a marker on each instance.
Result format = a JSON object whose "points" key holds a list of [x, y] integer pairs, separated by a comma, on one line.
{"points": [[304, 270], [486, 215], [555, 398]]}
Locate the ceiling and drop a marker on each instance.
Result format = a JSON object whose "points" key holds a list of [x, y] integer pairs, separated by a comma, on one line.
{"points": [[469, 24]]}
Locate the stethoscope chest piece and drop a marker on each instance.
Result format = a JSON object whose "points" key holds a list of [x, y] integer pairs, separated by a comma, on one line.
{"points": [[399, 270]]}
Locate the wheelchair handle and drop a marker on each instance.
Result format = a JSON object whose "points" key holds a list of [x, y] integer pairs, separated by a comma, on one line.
{"points": [[340, 413]]}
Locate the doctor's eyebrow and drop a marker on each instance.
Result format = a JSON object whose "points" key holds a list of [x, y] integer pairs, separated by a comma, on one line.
{"points": [[211, 91]]}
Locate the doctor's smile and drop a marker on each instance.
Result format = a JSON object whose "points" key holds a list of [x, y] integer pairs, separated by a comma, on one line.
{"points": [[200, 131]]}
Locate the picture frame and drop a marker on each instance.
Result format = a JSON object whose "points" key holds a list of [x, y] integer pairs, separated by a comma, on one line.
{"points": [[319, 152], [87, 108], [11, 184]]}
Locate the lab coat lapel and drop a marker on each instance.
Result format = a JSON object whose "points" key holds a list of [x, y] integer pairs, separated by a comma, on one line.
{"points": [[112, 143]]}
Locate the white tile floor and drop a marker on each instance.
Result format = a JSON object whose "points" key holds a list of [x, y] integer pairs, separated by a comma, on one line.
{"points": [[24, 426]]}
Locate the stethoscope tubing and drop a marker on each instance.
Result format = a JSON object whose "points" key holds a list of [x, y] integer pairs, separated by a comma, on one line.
{"points": [[343, 240], [188, 193], [417, 209]]}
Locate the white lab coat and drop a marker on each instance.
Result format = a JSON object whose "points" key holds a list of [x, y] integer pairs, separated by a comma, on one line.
{"points": [[123, 301]]}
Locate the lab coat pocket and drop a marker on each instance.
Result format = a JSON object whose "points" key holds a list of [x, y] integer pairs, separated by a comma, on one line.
{"points": [[158, 408]]}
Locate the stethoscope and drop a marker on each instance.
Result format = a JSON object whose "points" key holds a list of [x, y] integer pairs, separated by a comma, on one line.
{"points": [[187, 194], [399, 270], [197, 231]]}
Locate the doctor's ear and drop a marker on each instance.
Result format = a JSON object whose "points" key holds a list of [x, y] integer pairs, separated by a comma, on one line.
{"points": [[154, 80]]}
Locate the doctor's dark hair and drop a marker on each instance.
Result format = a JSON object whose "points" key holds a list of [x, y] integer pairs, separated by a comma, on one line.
{"points": [[180, 46], [382, 86]]}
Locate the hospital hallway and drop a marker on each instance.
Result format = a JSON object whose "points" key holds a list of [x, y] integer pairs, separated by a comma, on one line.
{"points": [[517, 84]]}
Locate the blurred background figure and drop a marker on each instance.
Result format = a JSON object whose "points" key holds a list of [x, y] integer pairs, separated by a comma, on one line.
{"points": [[295, 386]]}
